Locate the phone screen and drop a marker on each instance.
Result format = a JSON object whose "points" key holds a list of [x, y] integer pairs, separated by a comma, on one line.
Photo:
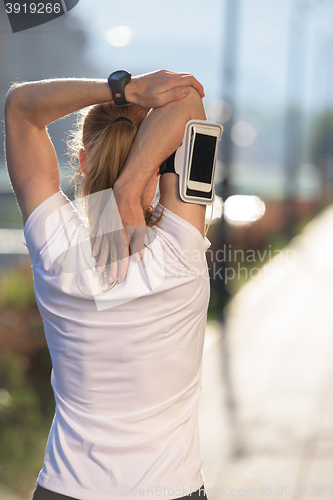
{"points": [[203, 158]]}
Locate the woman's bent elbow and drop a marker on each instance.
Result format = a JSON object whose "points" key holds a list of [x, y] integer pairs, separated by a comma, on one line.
{"points": [[14, 97], [193, 106], [189, 108]]}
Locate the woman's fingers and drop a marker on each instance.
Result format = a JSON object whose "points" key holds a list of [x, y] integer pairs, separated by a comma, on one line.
{"points": [[161, 87], [137, 239], [104, 254], [120, 256], [191, 81], [175, 94], [114, 250], [170, 79], [97, 245], [122, 268], [113, 259]]}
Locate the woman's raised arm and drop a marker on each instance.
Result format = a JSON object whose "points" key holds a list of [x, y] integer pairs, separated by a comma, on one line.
{"points": [[160, 134], [30, 107], [30, 156]]}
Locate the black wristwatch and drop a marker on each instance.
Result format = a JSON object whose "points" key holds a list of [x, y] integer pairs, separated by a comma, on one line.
{"points": [[118, 81]]}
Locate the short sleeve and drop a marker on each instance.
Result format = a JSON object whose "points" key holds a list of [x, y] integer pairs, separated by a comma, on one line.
{"points": [[56, 216]]}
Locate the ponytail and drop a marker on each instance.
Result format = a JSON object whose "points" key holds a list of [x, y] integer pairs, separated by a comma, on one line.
{"points": [[107, 143]]}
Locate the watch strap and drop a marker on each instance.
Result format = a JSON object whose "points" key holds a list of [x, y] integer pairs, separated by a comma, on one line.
{"points": [[118, 87]]}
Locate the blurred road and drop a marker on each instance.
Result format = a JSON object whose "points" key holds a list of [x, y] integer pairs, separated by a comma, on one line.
{"points": [[279, 331]]}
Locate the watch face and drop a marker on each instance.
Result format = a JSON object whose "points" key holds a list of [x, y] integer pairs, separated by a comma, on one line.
{"points": [[118, 75]]}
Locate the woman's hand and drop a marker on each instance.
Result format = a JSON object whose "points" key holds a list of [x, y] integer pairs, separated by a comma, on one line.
{"points": [[161, 87], [121, 227]]}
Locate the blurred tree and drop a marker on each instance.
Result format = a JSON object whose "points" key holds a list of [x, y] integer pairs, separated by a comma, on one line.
{"points": [[226, 148], [22, 429], [26, 397], [322, 154], [294, 118]]}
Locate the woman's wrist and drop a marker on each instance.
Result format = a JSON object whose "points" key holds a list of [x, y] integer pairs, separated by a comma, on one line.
{"points": [[127, 190]]}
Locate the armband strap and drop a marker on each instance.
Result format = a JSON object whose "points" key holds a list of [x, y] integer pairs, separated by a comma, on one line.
{"points": [[180, 162], [168, 166]]}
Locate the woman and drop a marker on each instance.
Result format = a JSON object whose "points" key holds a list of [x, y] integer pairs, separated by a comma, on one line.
{"points": [[126, 358]]}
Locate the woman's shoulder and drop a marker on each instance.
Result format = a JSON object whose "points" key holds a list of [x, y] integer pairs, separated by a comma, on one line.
{"points": [[180, 230]]}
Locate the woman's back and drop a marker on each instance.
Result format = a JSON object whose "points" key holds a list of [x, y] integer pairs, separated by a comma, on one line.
{"points": [[126, 362]]}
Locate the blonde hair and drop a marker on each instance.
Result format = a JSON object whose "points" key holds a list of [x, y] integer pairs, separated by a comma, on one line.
{"points": [[107, 144]]}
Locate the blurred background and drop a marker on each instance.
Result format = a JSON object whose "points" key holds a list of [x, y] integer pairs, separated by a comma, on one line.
{"points": [[266, 66]]}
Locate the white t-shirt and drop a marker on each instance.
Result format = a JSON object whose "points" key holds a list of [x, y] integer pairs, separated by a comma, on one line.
{"points": [[126, 362]]}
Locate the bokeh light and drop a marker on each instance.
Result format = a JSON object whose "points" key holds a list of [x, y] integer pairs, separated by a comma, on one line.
{"points": [[218, 110], [5, 398], [11, 242], [119, 36], [241, 210], [243, 134]]}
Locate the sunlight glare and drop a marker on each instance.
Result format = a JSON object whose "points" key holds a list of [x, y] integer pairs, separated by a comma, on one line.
{"points": [[241, 210], [119, 36]]}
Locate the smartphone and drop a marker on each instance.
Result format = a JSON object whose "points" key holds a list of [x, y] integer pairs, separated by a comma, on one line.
{"points": [[202, 158]]}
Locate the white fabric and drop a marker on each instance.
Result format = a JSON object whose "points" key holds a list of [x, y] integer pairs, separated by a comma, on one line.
{"points": [[126, 377]]}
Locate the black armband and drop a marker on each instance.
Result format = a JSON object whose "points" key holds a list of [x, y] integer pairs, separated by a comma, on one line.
{"points": [[168, 165]]}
